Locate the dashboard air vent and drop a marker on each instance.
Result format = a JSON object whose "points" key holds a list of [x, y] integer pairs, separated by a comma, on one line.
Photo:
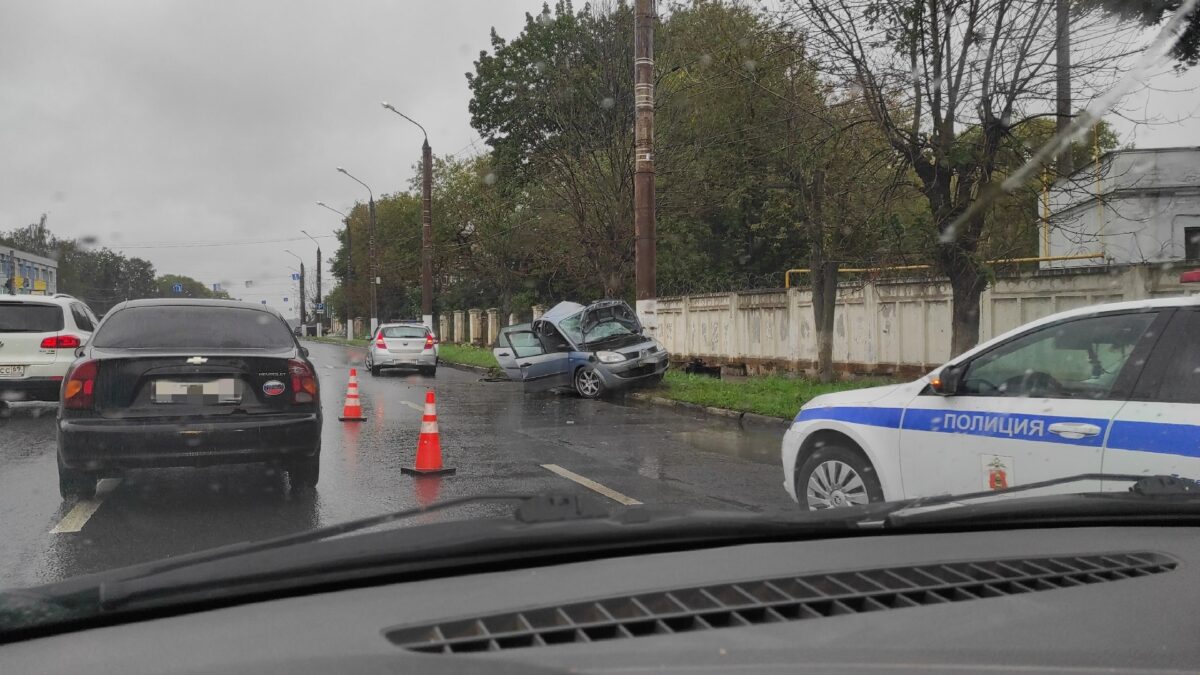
{"points": [[747, 603]]}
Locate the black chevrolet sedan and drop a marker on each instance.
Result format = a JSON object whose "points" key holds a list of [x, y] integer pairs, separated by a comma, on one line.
{"points": [[167, 383]]}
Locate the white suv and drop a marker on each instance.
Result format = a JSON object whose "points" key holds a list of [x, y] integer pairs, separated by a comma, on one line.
{"points": [[38, 339]]}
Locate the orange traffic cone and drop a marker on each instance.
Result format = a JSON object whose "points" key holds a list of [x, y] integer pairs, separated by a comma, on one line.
{"points": [[429, 445], [352, 410]]}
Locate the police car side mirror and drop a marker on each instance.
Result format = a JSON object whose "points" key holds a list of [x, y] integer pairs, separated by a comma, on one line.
{"points": [[945, 382]]}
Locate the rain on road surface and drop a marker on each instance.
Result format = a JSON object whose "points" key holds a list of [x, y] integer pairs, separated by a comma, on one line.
{"points": [[497, 437]]}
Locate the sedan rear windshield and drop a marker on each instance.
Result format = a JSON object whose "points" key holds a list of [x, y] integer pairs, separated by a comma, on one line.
{"points": [[186, 327], [22, 317], [403, 331]]}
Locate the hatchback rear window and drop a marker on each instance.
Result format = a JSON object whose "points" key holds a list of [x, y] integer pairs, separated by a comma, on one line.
{"points": [[187, 327], [403, 331], [28, 317]]}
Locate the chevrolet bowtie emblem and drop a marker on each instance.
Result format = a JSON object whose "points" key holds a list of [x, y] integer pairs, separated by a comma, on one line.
{"points": [[197, 360]]}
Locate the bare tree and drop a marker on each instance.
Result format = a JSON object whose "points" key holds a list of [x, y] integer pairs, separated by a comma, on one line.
{"points": [[947, 82]]}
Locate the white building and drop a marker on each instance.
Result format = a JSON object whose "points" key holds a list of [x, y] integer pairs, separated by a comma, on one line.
{"points": [[29, 274], [1132, 206]]}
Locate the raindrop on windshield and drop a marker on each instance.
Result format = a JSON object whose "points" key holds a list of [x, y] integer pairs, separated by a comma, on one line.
{"points": [[490, 178], [607, 102]]}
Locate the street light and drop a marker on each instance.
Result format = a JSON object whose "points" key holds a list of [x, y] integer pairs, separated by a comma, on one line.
{"points": [[349, 267], [302, 317], [370, 247], [426, 222], [319, 311]]}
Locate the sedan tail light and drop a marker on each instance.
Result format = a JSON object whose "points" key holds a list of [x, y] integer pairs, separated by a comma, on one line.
{"points": [[304, 382], [79, 386], [430, 341], [61, 342]]}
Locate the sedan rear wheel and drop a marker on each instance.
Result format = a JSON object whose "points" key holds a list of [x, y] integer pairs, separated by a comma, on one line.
{"points": [[375, 371], [75, 483], [836, 477], [304, 473], [588, 383]]}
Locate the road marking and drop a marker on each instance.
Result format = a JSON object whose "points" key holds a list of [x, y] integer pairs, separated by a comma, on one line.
{"points": [[592, 485], [78, 516], [414, 406]]}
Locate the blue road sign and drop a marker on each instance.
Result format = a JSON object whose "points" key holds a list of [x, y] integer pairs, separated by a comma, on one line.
{"points": [[285, 299], [320, 306], [177, 288], [295, 276], [216, 287], [264, 302]]}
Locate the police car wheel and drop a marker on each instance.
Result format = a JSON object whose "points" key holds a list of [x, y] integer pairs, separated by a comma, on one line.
{"points": [[375, 371], [836, 477]]}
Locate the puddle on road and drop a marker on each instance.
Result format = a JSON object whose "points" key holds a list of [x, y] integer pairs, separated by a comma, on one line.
{"points": [[755, 446]]}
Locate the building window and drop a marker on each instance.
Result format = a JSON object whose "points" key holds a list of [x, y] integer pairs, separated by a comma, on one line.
{"points": [[1191, 243]]}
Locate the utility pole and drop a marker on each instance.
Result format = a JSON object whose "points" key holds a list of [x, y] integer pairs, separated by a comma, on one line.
{"points": [[319, 299], [371, 266], [643, 176], [374, 280], [427, 235], [426, 221], [303, 317], [1063, 74]]}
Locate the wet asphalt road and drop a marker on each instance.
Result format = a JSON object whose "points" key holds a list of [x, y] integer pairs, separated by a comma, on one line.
{"points": [[497, 437]]}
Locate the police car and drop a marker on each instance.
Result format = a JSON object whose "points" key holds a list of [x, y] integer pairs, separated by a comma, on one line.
{"points": [[1109, 388]]}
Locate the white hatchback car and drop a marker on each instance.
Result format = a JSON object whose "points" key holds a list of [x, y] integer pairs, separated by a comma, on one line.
{"points": [[1110, 388], [403, 345], [38, 339]]}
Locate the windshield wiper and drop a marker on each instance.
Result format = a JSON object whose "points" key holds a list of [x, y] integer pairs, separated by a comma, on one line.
{"points": [[1146, 495]]}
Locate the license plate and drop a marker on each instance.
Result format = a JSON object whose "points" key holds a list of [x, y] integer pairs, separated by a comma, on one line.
{"points": [[213, 392], [12, 371]]}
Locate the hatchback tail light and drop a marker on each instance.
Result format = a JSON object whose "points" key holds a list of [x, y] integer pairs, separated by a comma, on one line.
{"points": [[61, 342], [430, 341], [80, 385], [379, 341], [304, 382]]}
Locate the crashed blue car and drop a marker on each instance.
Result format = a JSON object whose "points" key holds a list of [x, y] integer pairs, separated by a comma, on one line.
{"points": [[594, 350]]}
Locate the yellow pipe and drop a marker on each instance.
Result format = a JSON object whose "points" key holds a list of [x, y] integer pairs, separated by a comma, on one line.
{"points": [[787, 276]]}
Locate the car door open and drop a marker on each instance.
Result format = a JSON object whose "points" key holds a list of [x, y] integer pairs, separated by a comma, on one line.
{"points": [[505, 354], [526, 360]]}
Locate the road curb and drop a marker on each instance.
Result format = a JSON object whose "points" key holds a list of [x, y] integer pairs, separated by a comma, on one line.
{"points": [[744, 419], [466, 367]]}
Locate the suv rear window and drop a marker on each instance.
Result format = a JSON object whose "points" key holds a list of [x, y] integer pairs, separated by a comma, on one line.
{"points": [[180, 327], [403, 331], [30, 317]]}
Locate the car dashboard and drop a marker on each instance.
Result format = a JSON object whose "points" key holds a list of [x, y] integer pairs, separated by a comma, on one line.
{"points": [[1112, 599]]}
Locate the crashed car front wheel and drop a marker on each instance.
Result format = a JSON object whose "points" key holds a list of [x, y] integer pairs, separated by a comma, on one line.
{"points": [[588, 383]]}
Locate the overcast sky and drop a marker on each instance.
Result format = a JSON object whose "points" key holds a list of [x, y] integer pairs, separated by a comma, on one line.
{"points": [[157, 122]]}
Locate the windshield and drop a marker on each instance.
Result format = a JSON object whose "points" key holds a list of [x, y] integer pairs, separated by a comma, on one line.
{"points": [[403, 331], [769, 258], [191, 327], [30, 318]]}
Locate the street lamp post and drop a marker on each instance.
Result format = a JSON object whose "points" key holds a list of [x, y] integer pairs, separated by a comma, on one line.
{"points": [[370, 248], [349, 267], [319, 312], [426, 222], [302, 316]]}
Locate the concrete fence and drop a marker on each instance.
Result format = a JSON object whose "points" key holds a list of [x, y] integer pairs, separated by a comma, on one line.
{"points": [[899, 327], [478, 327]]}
